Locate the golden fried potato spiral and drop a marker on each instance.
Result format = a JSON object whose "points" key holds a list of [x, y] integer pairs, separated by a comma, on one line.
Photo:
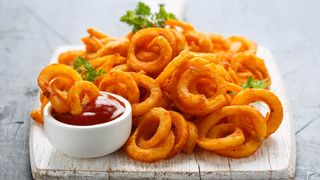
{"points": [[54, 81], [80, 94], [229, 138], [120, 83], [156, 126], [276, 111], [154, 94], [246, 65], [153, 48], [186, 95]]}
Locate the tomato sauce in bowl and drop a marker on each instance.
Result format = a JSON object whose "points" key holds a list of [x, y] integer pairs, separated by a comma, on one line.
{"points": [[104, 108], [102, 128]]}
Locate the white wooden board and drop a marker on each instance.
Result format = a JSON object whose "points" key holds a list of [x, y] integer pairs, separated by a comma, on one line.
{"points": [[275, 159]]}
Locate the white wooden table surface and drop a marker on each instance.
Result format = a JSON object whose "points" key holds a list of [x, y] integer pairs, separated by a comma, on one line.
{"points": [[31, 30]]}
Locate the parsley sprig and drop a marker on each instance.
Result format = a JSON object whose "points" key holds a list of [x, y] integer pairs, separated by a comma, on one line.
{"points": [[142, 17], [254, 83], [85, 69]]}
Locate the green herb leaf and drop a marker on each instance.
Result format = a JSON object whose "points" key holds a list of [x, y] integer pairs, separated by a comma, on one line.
{"points": [[142, 17], [143, 9], [254, 83], [162, 16], [84, 68]]}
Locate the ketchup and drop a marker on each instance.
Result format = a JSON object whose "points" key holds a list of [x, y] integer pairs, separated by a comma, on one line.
{"points": [[104, 108]]}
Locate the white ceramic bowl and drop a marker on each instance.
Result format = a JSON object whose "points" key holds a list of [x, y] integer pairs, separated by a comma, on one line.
{"points": [[89, 141]]}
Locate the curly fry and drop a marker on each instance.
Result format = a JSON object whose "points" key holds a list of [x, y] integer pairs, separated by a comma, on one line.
{"points": [[52, 72], [186, 100], [192, 138], [198, 42], [152, 100], [95, 33], [160, 151], [163, 119], [248, 96], [37, 114], [157, 124], [181, 132], [120, 83], [77, 93], [246, 65], [153, 48], [111, 46], [241, 44], [69, 57], [236, 140], [173, 23]]}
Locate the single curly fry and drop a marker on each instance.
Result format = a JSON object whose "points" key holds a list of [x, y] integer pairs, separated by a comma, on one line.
{"points": [[120, 83], [156, 153], [55, 71], [69, 57], [93, 44], [153, 48], [242, 44], [186, 100], [275, 117], [173, 23], [236, 140], [159, 121], [245, 65], [77, 92], [95, 33], [155, 65], [111, 46], [37, 114], [154, 96]]}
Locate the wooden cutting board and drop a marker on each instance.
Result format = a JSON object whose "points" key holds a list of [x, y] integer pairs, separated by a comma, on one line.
{"points": [[275, 159]]}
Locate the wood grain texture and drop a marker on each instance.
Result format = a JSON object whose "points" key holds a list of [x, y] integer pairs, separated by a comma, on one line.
{"points": [[275, 159]]}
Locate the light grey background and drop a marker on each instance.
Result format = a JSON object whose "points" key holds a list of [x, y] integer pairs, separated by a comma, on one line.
{"points": [[31, 30]]}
